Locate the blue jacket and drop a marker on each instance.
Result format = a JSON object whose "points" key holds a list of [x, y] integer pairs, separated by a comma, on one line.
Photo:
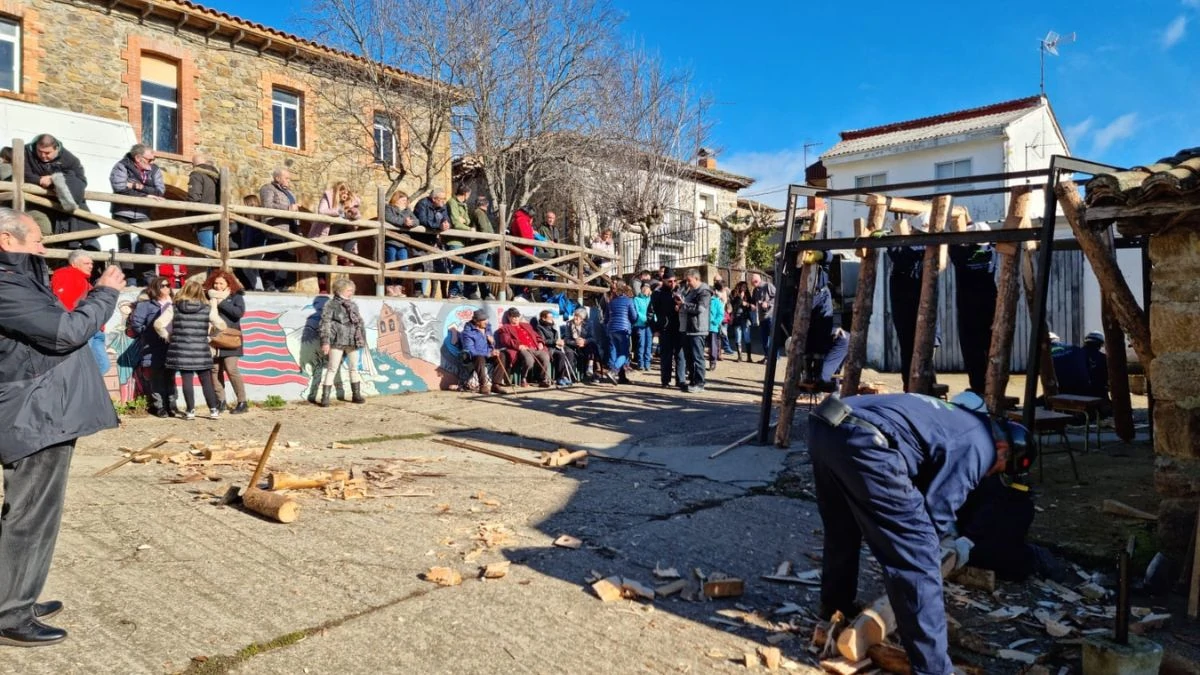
{"points": [[141, 326], [431, 215], [716, 314], [621, 314], [948, 449], [641, 304], [474, 341]]}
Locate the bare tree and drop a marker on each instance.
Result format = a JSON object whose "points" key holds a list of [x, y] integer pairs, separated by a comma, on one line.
{"points": [[750, 217], [649, 125]]}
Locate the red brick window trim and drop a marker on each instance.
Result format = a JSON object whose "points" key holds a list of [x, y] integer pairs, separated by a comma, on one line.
{"points": [[31, 51], [305, 120], [186, 91]]}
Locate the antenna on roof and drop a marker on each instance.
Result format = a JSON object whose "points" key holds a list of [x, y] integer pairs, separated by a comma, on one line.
{"points": [[1049, 44]]}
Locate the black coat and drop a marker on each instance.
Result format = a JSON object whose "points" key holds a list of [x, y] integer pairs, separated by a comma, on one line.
{"points": [[204, 185], [232, 309], [72, 171], [188, 349], [666, 317], [51, 391]]}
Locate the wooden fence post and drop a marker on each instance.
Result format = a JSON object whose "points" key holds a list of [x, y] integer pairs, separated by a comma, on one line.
{"points": [[1114, 354], [864, 301], [223, 226], [18, 177], [502, 291], [381, 242], [798, 345], [920, 375], [1004, 319], [1029, 281]]}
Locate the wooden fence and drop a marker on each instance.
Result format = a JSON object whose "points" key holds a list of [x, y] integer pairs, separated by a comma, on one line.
{"points": [[554, 266]]}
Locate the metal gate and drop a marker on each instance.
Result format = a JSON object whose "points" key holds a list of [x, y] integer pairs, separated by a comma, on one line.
{"points": [[1064, 307]]}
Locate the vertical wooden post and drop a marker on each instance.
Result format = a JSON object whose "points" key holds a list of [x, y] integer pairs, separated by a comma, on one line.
{"points": [[381, 242], [864, 301], [1005, 317], [920, 375], [582, 278], [503, 292], [18, 177], [1118, 373], [1046, 372], [799, 341], [223, 226], [1112, 282]]}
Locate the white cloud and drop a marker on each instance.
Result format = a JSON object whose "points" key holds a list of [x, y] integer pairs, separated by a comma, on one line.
{"points": [[1076, 132], [1120, 128], [1192, 3], [772, 171], [1174, 31]]}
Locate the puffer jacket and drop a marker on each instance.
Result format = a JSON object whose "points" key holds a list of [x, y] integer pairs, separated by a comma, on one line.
{"points": [[152, 349], [189, 348], [342, 325], [51, 391], [126, 171]]}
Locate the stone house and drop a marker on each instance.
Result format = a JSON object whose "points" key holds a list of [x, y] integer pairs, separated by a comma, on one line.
{"points": [[187, 78]]}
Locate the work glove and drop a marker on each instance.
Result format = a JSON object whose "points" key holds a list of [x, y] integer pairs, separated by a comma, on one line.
{"points": [[960, 547]]}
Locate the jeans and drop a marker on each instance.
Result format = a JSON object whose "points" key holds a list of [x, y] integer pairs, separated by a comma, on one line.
{"points": [[691, 358], [618, 349], [456, 287], [765, 327], [100, 351], [34, 489], [484, 290], [645, 340], [207, 237], [739, 335]]}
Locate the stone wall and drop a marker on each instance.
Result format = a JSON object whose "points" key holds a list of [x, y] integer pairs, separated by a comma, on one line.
{"points": [[89, 62], [409, 345], [1175, 380]]}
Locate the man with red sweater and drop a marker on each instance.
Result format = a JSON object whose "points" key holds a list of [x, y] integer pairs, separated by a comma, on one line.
{"points": [[72, 284], [523, 347], [522, 226]]}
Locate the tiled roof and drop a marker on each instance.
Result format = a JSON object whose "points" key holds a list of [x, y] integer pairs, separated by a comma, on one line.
{"points": [[997, 115], [1168, 178], [271, 37]]}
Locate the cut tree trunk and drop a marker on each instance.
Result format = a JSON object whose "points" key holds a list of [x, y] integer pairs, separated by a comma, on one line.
{"points": [[796, 348], [290, 481], [1005, 317], [864, 301], [920, 376], [1112, 283], [275, 506], [867, 630]]}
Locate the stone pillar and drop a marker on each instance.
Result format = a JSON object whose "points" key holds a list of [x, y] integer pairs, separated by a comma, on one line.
{"points": [[1175, 381]]}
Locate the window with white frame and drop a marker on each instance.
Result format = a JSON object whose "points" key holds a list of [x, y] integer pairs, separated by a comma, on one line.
{"points": [[385, 140], [10, 55], [959, 168], [285, 117], [708, 204], [870, 180], [160, 104]]}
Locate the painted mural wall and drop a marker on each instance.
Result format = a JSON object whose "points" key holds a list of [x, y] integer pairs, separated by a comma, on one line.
{"points": [[410, 345]]}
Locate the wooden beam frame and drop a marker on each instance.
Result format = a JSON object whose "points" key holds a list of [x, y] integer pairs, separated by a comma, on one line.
{"points": [[920, 375]]}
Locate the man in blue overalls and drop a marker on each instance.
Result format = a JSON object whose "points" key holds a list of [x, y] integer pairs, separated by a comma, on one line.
{"points": [[894, 468]]}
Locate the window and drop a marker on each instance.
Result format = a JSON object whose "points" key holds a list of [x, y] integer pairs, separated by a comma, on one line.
{"points": [[160, 104], [385, 141], [285, 118], [870, 180], [10, 55], [956, 169], [708, 204]]}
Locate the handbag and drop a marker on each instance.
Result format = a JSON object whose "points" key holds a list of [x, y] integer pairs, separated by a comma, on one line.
{"points": [[226, 338]]}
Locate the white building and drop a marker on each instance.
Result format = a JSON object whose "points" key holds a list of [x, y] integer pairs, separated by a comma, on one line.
{"points": [[1007, 137]]}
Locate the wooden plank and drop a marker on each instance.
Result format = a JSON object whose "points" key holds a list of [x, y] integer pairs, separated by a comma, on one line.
{"points": [[920, 376], [223, 225], [18, 175], [864, 302], [1005, 317], [1116, 360], [126, 227], [381, 240], [796, 348], [908, 207], [1112, 282], [867, 630]]}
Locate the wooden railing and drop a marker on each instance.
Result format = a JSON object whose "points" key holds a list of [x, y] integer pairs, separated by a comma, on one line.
{"points": [[560, 267]]}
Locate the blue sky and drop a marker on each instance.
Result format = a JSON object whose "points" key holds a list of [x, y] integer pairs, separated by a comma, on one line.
{"points": [[785, 73]]}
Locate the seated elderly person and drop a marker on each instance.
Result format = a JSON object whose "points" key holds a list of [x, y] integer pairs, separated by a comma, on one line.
{"points": [[579, 344], [547, 329], [479, 347], [524, 348]]}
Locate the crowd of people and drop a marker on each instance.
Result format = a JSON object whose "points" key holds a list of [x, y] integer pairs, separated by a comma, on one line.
{"points": [[433, 222]]}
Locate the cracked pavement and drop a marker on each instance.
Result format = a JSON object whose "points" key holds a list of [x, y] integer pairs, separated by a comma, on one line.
{"points": [[154, 574]]}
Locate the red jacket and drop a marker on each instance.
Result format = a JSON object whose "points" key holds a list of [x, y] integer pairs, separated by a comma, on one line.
{"points": [[522, 226], [511, 338], [71, 285]]}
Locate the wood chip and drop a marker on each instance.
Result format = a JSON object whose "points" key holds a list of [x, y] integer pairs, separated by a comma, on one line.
{"points": [[1057, 629], [672, 588], [443, 576], [635, 590], [608, 590], [1093, 591], [779, 638], [567, 541], [1149, 623], [975, 578], [1122, 509], [1016, 655], [771, 657], [841, 666], [724, 588], [665, 572], [1007, 613], [497, 570]]}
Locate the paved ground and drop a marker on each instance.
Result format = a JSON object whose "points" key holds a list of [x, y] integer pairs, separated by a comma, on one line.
{"points": [[154, 574]]}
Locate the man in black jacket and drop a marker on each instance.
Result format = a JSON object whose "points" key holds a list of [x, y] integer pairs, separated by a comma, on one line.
{"points": [[54, 168], [666, 325], [204, 187], [51, 393]]}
